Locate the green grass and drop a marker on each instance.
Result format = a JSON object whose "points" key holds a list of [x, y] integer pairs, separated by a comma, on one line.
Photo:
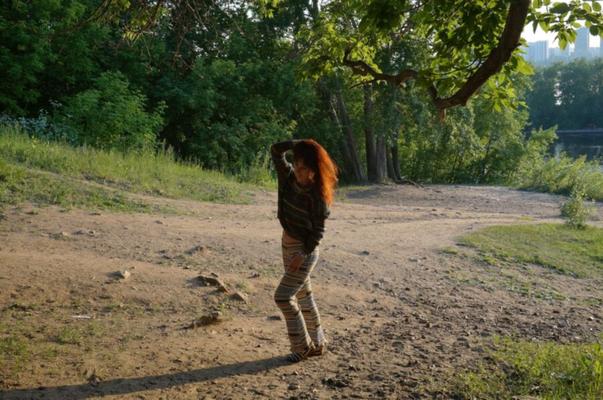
{"points": [[23, 161], [546, 370], [577, 252], [18, 184], [14, 355]]}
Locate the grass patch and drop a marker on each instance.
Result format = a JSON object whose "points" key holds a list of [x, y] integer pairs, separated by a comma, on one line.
{"points": [[14, 355], [546, 370], [148, 172], [577, 252], [450, 250], [70, 335], [18, 184]]}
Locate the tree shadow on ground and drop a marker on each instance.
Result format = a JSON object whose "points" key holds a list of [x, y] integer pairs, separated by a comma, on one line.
{"points": [[133, 385]]}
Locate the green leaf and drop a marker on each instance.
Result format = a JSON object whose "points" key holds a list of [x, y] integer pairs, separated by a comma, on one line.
{"points": [[594, 30], [559, 8]]}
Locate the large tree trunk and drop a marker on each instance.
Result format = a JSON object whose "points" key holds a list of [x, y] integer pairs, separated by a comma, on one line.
{"points": [[390, 165], [396, 176], [347, 159], [350, 141], [369, 134], [381, 159]]}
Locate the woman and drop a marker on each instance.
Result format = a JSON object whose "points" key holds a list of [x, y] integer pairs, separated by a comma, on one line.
{"points": [[305, 192]]}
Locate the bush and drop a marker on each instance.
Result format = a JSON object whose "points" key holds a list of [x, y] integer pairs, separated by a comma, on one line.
{"points": [[41, 127], [575, 210], [539, 171], [111, 115]]}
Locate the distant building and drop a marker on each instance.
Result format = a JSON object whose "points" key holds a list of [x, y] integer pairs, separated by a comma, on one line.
{"points": [[582, 48], [538, 52]]}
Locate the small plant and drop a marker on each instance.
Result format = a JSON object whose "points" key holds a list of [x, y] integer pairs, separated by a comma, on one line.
{"points": [[69, 335], [575, 210]]}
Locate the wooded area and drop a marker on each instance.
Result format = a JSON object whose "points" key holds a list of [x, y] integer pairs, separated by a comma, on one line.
{"points": [[219, 81]]}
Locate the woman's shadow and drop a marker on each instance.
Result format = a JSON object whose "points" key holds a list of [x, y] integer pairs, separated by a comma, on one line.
{"points": [[132, 385]]}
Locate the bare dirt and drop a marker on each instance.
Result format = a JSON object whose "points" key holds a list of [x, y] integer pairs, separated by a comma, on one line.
{"points": [[404, 308]]}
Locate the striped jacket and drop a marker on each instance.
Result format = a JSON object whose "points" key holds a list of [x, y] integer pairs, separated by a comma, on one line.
{"points": [[301, 211]]}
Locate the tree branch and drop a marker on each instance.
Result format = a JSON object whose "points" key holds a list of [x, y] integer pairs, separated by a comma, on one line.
{"points": [[361, 68], [509, 41]]}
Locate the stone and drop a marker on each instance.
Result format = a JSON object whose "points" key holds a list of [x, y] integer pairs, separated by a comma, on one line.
{"points": [[209, 319], [238, 296], [197, 249], [125, 274], [207, 280], [336, 382]]}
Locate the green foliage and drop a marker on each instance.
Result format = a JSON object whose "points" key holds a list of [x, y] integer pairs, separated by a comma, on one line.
{"points": [[112, 116], [478, 143], [42, 56], [219, 86], [574, 210], [559, 247], [547, 370], [560, 175]]}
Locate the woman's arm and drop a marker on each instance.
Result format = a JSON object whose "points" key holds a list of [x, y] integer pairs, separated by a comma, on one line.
{"points": [[319, 214], [282, 166]]}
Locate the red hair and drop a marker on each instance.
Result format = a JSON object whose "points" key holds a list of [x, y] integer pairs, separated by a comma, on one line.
{"points": [[316, 158]]}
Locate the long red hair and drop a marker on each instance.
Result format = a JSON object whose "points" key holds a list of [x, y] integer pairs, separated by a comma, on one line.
{"points": [[315, 157]]}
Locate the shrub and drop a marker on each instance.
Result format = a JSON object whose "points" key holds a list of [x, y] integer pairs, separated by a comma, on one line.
{"points": [[111, 115], [575, 210]]}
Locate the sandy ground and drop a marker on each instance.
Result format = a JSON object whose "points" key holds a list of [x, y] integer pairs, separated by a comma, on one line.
{"points": [[404, 315]]}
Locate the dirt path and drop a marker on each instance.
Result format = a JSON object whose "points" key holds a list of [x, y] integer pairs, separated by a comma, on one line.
{"points": [[403, 316]]}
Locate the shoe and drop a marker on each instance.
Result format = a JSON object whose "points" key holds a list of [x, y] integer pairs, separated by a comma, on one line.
{"points": [[296, 357], [318, 350]]}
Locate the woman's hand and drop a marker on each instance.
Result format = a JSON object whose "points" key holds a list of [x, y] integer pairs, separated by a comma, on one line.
{"points": [[296, 261]]}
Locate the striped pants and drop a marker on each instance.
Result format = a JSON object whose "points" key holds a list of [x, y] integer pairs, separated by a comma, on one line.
{"points": [[301, 316]]}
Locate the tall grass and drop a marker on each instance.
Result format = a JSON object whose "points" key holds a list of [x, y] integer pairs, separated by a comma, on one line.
{"points": [[155, 173], [561, 175]]}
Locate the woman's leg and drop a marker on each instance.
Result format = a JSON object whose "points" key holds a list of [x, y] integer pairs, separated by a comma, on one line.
{"points": [[310, 314], [285, 298]]}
